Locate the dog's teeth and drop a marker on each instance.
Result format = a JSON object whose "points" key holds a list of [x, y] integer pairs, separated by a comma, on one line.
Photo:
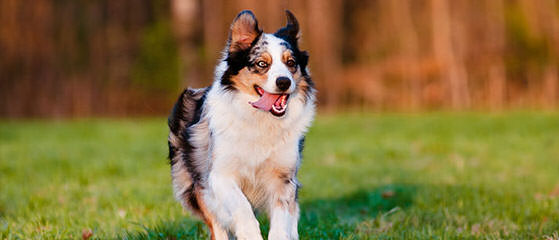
{"points": [[280, 110]]}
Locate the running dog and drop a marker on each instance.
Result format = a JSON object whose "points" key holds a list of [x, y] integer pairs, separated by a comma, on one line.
{"points": [[236, 145]]}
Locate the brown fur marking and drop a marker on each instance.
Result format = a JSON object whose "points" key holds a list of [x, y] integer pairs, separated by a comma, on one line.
{"points": [[245, 81]]}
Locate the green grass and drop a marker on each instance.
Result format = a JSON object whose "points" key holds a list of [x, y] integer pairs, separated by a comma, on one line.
{"points": [[365, 176]]}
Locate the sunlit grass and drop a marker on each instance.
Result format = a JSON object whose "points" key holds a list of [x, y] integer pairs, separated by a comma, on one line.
{"points": [[365, 176]]}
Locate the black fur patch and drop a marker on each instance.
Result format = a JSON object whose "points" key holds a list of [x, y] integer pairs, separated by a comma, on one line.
{"points": [[301, 146], [172, 153], [178, 115], [190, 196], [308, 91], [187, 147], [185, 109]]}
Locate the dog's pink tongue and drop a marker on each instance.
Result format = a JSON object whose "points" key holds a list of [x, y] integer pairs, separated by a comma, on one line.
{"points": [[266, 101]]}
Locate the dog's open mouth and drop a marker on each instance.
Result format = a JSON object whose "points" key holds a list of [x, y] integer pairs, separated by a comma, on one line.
{"points": [[274, 103]]}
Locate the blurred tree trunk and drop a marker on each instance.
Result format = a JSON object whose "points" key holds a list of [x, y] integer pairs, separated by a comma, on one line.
{"points": [[453, 69], [551, 73], [325, 20], [496, 37], [214, 37], [186, 27], [535, 77], [408, 50]]}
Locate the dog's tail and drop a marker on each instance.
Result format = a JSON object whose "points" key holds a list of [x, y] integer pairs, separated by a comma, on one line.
{"points": [[186, 112]]}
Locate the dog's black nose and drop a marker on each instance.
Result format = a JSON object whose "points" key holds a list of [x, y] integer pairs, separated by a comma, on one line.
{"points": [[283, 83]]}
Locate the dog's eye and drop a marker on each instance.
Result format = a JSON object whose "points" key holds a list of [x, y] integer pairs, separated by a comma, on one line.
{"points": [[262, 64], [290, 63]]}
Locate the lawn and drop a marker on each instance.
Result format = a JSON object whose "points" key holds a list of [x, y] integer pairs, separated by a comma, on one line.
{"points": [[364, 176]]}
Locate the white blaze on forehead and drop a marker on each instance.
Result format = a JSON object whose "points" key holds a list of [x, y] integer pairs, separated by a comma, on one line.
{"points": [[276, 48]]}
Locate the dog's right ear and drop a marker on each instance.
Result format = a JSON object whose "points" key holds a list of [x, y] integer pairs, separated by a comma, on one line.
{"points": [[244, 30]]}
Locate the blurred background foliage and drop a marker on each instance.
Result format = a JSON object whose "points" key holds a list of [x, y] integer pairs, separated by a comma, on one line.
{"points": [[66, 58]]}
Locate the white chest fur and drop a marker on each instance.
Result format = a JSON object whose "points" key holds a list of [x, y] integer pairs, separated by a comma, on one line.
{"points": [[243, 137]]}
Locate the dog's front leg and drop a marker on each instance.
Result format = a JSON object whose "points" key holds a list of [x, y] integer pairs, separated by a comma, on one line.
{"points": [[283, 208], [231, 206]]}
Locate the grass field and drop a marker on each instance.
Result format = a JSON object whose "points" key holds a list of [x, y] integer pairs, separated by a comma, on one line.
{"points": [[365, 176]]}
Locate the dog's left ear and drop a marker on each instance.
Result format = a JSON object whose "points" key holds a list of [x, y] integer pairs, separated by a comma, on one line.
{"points": [[244, 30], [291, 30]]}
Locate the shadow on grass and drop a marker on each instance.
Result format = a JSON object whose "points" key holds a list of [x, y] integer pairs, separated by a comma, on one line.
{"points": [[320, 218], [338, 217]]}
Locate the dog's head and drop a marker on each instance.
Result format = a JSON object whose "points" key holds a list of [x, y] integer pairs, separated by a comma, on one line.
{"points": [[269, 67]]}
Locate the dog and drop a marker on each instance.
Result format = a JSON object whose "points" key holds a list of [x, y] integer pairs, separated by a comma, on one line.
{"points": [[236, 145]]}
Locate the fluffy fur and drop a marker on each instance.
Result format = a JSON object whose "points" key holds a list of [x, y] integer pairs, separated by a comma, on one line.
{"points": [[229, 154]]}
